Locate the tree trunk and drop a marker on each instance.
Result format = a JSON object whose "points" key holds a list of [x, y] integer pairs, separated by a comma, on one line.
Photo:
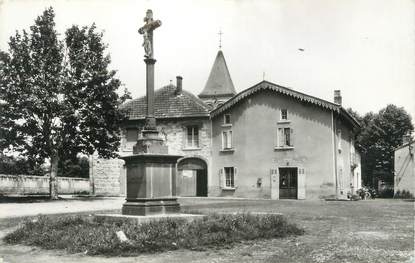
{"points": [[53, 180]]}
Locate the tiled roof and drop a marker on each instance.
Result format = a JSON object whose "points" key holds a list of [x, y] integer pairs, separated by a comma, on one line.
{"points": [[219, 83], [167, 104], [265, 85]]}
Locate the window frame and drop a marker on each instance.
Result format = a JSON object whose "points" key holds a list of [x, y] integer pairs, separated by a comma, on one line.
{"points": [[227, 124], [127, 137], [195, 133], [229, 171], [227, 120], [284, 133], [227, 145], [282, 115]]}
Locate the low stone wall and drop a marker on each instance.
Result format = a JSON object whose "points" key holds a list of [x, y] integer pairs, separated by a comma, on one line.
{"points": [[107, 176], [28, 184]]}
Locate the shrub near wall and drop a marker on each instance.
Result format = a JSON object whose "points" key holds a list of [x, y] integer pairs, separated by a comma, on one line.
{"points": [[403, 195]]}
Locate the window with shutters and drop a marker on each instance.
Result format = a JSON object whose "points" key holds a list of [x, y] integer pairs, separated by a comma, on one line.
{"points": [[192, 136], [227, 140], [285, 138]]}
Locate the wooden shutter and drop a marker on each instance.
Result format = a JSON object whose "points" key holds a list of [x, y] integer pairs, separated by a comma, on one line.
{"points": [[223, 140], [339, 140], [301, 185], [184, 137], [276, 137], [235, 177], [229, 142], [196, 136], [274, 184], [292, 137], [221, 179], [281, 137]]}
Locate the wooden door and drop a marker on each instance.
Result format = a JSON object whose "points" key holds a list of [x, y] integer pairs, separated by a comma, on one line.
{"points": [[288, 183], [188, 183], [201, 183]]}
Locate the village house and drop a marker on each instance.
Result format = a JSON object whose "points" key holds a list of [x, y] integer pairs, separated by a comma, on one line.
{"points": [[404, 185], [267, 141]]}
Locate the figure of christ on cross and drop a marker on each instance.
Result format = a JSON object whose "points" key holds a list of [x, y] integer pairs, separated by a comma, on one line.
{"points": [[147, 32]]}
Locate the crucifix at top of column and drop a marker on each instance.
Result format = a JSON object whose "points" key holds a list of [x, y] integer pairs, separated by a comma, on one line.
{"points": [[147, 32]]}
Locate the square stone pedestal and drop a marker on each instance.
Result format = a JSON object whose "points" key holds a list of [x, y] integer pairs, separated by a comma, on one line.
{"points": [[151, 184]]}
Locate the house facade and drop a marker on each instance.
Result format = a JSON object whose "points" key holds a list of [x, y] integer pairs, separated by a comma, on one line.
{"points": [[183, 122], [267, 141], [404, 180], [273, 142]]}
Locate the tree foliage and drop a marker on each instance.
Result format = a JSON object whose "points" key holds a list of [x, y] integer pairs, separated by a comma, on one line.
{"points": [[58, 97], [19, 166], [381, 133], [78, 167]]}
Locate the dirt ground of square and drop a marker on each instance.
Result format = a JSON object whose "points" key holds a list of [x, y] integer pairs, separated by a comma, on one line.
{"points": [[378, 230]]}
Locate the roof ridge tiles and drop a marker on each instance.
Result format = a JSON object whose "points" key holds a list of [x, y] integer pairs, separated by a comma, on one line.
{"points": [[167, 105]]}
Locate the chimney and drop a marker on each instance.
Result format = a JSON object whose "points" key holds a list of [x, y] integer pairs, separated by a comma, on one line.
{"points": [[179, 85], [337, 97]]}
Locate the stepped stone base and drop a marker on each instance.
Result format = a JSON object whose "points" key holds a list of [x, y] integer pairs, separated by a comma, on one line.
{"points": [[151, 206], [148, 218]]}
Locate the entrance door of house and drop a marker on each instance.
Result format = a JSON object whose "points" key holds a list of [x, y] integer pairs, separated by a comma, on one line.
{"points": [[288, 183]]}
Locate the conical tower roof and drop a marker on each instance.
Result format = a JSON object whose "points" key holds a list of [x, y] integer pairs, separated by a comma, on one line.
{"points": [[219, 83]]}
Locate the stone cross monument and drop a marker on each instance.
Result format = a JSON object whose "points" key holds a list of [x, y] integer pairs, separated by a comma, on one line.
{"points": [[147, 32], [151, 171]]}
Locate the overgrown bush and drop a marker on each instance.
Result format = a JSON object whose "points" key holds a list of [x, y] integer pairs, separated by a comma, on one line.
{"points": [[81, 234]]}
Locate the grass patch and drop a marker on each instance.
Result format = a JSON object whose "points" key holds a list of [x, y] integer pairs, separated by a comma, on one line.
{"points": [[78, 234]]}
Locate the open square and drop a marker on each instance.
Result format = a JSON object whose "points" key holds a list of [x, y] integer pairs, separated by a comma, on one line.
{"points": [[287, 135], [377, 230]]}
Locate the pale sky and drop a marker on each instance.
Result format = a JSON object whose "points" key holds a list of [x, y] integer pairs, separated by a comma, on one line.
{"points": [[365, 48]]}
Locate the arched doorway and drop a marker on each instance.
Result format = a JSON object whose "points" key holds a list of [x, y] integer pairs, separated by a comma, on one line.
{"points": [[192, 177]]}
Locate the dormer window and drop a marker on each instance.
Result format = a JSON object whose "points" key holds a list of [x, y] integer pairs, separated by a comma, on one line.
{"points": [[284, 114], [227, 119]]}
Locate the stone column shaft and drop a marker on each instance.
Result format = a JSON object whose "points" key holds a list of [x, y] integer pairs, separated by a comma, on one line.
{"points": [[150, 119]]}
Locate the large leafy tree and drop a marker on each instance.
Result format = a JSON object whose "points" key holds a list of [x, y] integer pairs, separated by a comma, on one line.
{"points": [[381, 133], [58, 98]]}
